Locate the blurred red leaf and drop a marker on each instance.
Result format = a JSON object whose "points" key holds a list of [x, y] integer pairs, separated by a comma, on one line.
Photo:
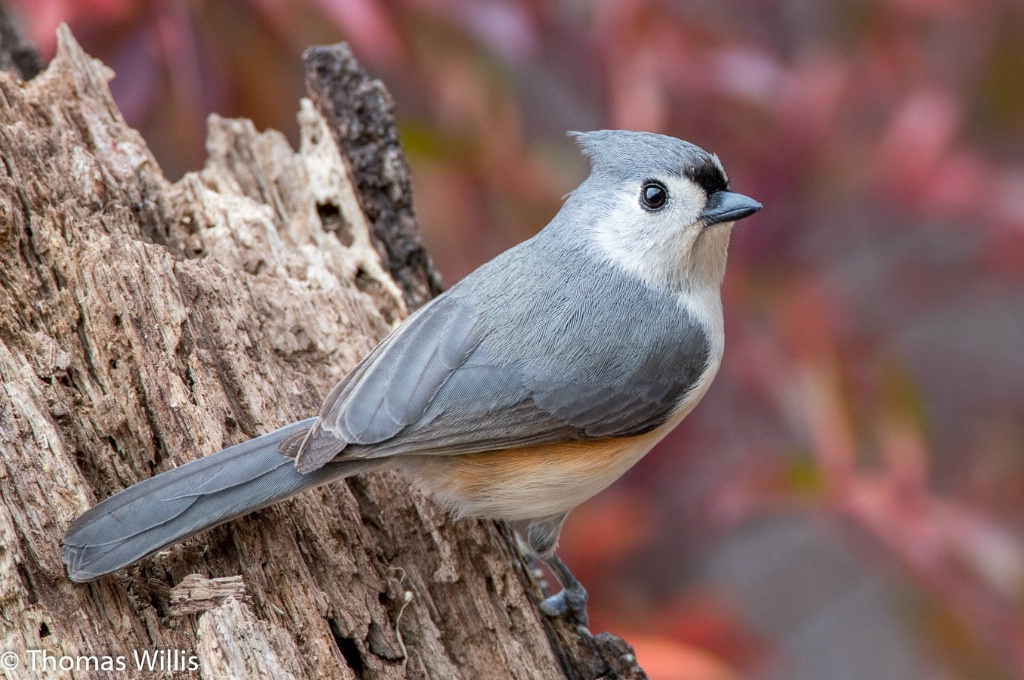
{"points": [[665, 659]]}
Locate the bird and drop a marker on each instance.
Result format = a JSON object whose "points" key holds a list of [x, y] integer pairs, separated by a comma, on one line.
{"points": [[520, 392]]}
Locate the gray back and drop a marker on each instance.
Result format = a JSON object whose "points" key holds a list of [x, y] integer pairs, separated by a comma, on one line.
{"points": [[543, 344]]}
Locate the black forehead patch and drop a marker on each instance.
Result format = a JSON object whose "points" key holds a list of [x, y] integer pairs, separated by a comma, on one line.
{"points": [[707, 175]]}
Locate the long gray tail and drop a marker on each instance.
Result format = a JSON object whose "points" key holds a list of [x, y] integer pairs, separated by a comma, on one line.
{"points": [[186, 500]]}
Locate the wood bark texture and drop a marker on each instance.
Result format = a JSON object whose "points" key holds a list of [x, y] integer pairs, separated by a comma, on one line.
{"points": [[145, 323]]}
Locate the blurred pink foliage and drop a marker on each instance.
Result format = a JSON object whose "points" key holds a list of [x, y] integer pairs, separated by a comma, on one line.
{"points": [[873, 379]]}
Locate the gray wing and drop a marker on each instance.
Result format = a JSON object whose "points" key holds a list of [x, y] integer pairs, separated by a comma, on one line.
{"points": [[574, 373], [392, 387], [449, 381]]}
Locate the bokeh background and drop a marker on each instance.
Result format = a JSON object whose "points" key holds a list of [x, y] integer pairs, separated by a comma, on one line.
{"points": [[848, 500]]}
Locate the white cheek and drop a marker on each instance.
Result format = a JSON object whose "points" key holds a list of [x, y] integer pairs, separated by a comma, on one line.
{"points": [[688, 201], [653, 245]]}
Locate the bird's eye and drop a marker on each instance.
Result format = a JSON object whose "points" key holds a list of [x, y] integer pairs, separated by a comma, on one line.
{"points": [[653, 195]]}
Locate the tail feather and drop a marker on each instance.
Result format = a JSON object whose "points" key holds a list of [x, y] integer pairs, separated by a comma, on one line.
{"points": [[181, 502]]}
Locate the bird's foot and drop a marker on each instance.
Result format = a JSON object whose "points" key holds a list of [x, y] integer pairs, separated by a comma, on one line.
{"points": [[571, 602]]}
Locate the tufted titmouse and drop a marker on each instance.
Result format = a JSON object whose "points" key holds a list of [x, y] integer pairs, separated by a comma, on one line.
{"points": [[525, 389]]}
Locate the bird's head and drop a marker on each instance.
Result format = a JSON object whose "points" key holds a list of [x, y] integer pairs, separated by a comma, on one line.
{"points": [[657, 206]]}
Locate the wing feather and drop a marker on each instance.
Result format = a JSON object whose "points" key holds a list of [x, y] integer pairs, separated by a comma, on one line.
{"points": [[449, 382]]}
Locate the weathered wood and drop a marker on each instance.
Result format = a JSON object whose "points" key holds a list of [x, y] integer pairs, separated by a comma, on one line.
{"points": [[197, 593], [145, 323], [360, 114]]}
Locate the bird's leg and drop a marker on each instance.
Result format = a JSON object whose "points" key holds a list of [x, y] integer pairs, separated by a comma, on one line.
{"points": [[542, 536]]}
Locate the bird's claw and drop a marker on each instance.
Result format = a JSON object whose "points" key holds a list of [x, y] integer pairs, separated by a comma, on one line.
{"points": [[569, 601]]}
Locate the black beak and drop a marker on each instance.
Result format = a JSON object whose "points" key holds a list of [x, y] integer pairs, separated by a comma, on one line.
{"points": [[726, 206]]}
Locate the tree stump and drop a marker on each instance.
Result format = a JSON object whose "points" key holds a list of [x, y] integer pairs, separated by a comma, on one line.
{"points": [[145, 323]]}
